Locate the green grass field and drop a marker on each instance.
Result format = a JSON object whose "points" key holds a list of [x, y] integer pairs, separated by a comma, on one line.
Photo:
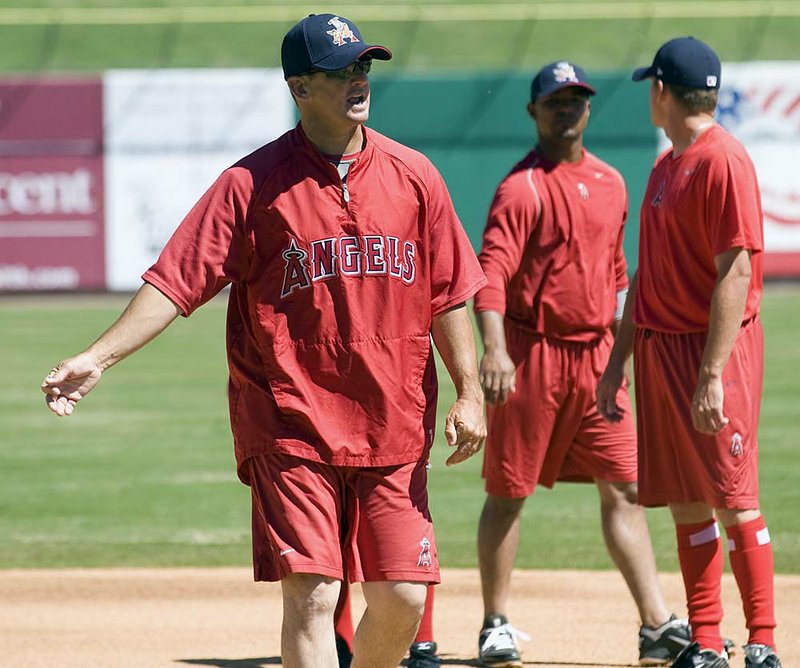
{"points": [[47, 35], [143, 473]]}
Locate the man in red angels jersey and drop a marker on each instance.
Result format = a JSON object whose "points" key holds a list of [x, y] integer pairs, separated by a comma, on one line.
{"points": [[695, 334], [334, 299], [553, 256]]}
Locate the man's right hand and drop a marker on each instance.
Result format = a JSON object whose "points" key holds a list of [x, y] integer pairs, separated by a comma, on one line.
{"points": [[497, 375], [69, 382]]}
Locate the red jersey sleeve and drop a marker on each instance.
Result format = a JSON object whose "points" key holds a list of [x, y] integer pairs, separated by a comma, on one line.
{"points": [[733, 204], [455, 273], [514, 211], [209, 248]]}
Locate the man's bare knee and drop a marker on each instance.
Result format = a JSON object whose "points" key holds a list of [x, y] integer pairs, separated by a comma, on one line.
{"points": [[307, 595], [500, 506], [618, 494]]}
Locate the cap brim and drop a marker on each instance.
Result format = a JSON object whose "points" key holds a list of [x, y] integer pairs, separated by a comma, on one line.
{"points": [[344, 56], [566, 84], [642, 73]]}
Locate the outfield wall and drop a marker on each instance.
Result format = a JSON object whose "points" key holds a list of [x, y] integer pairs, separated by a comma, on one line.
{"points": [[96, 172]]}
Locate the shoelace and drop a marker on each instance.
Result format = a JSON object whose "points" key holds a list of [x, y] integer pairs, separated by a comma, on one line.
{"points": [[503, 637]]}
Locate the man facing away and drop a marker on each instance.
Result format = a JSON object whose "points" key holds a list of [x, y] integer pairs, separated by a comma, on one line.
{"points": [[693, 327], [553, 256], [334, 298]]}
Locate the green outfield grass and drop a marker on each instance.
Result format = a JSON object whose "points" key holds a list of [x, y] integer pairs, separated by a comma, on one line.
{"points": [[143, 473], [63, 42]]}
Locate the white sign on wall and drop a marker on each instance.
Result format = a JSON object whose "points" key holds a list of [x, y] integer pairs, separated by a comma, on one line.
{"points": [[760, 104], [168, 135]]}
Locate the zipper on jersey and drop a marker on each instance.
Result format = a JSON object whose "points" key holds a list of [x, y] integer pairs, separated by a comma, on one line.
{"points": [[345, 193]]}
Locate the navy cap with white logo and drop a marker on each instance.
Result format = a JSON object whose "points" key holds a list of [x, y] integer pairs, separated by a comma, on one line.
{"points": [[557, 75], [325, 42], [684, 61]]}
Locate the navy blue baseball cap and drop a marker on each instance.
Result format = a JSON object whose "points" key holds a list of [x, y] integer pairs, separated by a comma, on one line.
{"points": [[325, 42], [684, 61], [557, 75]]}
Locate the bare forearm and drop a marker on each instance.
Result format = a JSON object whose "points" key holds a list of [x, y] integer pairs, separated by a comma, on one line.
{"points": [[455, 341], [492, 329], [624, 329], [146, 316], [726, 312]]}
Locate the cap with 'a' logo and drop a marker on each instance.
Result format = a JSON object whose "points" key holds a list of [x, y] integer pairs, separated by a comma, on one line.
{"points": [[684, 61], [325, 42], [557, 75]]}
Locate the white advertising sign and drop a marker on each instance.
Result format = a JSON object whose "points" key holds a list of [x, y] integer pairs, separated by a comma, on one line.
{"points": [[760, 104], [169, 134]]}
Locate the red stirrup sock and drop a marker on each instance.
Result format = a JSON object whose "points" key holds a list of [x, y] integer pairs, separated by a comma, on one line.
{"points": [[425, 632], [343, 617], [750, 552], [701, 560]]}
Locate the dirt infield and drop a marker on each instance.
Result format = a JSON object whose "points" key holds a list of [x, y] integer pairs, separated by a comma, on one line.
{"points": [[219, 617]]}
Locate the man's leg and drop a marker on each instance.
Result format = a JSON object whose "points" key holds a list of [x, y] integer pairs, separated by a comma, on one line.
{"points": [[307, 639], [752, 565], [389, 623], [701, 562], [627, 538], [498, 540]]}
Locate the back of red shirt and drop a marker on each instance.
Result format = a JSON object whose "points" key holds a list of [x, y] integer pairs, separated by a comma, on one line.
{"points": [[697, 206], [552, 249]]}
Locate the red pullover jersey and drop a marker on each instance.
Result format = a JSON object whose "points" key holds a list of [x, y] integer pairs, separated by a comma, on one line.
{"points": [[333, 292], [698, 205], [552, 249]]}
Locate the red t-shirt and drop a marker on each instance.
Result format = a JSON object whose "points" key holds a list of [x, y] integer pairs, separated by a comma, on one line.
{"points": [[333, 293], [552, 248], [697, 206]]}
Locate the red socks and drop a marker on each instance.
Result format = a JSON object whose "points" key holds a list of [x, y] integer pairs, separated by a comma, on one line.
{"points": [[343, 617], [425, 632], [701, 560], [751, 560]]}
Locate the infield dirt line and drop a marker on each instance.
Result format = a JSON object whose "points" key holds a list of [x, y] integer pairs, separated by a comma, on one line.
{"points": [[218, 617]]}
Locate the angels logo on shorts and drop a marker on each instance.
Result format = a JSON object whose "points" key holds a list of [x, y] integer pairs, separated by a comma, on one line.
{"points": [[341, 31], [737, 445], [563, 72], [425, 553]]}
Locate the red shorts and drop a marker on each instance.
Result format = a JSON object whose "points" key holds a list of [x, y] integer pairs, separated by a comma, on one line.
{"points": [[549, 428], [367, 524], [678, 464]]}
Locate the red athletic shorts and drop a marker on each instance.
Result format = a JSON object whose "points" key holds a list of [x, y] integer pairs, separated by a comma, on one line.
{"points": [[366, 523], [549, 428], [678, 464]]}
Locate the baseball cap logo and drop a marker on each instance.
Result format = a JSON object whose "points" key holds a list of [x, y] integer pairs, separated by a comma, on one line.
{"points": [[564, 72], [341, 32], [711, 81]]}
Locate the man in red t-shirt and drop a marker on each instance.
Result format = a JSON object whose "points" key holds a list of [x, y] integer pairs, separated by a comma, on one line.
{"points": [[553, 257], [695, 334], [332, 392]]}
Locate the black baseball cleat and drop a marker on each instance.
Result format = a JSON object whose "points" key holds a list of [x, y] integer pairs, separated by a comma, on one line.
{"points": [[694, 657], [760, 656], [658, 645], [423, 655], [497, 645]]}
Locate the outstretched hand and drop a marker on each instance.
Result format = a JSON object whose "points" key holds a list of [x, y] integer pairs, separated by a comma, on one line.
{"points": [[465, 429], [69, 382]]}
